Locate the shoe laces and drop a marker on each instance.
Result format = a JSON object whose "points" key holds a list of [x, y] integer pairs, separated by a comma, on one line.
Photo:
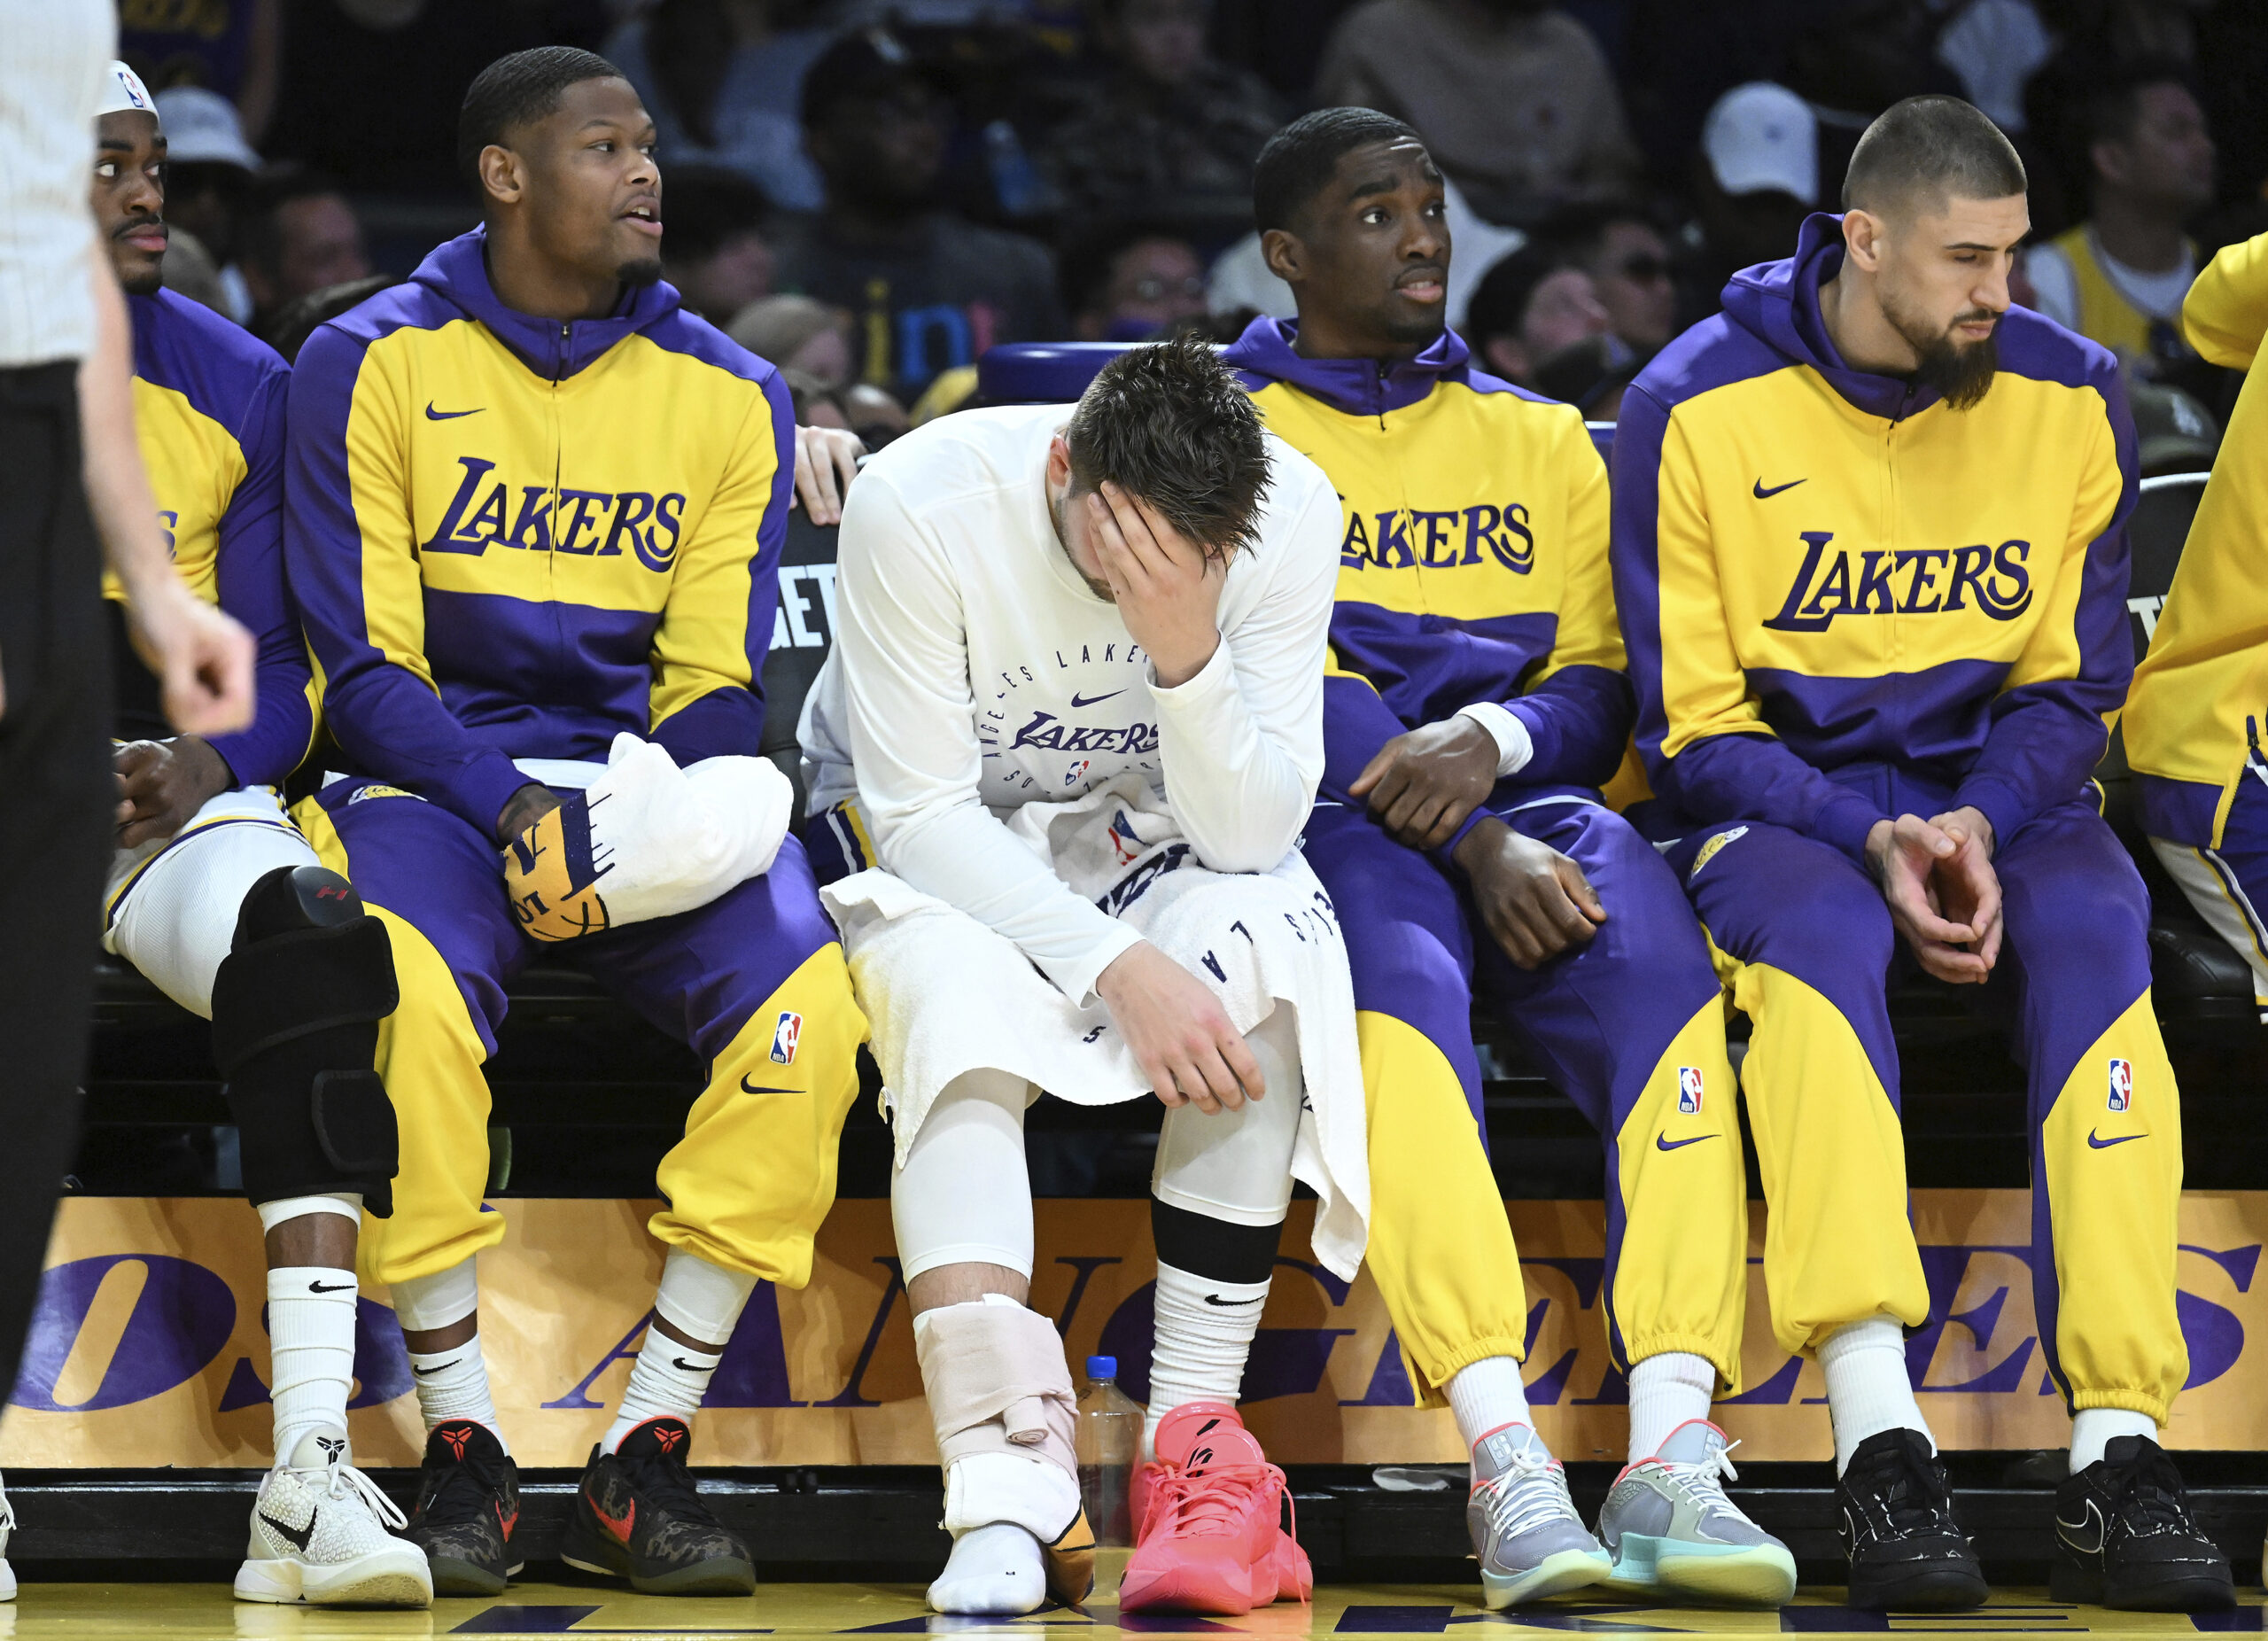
{"points": [[1705, 1482], [2146, 1496], [664, 1479], [1531, 1494], [1207, 1504], [1906, 1490], [7, 1513], [458, 1492], [341, 1480]]}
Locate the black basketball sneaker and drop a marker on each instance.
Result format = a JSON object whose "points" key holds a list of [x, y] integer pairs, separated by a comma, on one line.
{"points": [[638, 1517], [1906, 1551], [2123, 1537], [467, 1504]]}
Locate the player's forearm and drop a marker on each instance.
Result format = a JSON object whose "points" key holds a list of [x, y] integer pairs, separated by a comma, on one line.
{"points": [[1753, 777], [1241, 789], [1579, 721], [118, 489]]}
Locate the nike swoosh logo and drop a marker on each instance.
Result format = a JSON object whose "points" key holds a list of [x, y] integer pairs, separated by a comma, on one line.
{"points": [[2094, 1144], [1231, 1304], [1663, 1142], [1761, 492], [1094, 700], [683, 1366], [445, 1367], [331, 1288], [297, 1535], [748, 1088], [431, 414]]}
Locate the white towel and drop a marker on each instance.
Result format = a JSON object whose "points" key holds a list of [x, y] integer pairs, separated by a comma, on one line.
{"points": [[946, 995]]}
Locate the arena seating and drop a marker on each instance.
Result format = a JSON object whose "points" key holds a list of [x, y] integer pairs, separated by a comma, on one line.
{"points": [[588, 1097]]}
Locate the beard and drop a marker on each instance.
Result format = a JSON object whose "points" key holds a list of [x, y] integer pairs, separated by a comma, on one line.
{"points": [[639, 272], [144, 285], [1961, 372]]}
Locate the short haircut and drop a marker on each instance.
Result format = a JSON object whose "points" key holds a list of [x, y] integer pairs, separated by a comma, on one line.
{"points": [[260, 238], [517, 90], [1936, 145], [1581, 227], [1299, 160], [1167, 422], [1498, 305], [2112, 103]]}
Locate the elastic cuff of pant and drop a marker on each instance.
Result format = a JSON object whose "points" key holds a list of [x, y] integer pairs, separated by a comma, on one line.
{"points": [[793, 1272], [283, 1210], [393, 1271], [1709, 1350], [2129, 1400], [1432, 1380]]}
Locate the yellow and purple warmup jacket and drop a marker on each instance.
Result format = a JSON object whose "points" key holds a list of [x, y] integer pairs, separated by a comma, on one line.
{"points": [[1473, 569], [1846, 601], [1829, 601], [591, 545], [209, 404]]}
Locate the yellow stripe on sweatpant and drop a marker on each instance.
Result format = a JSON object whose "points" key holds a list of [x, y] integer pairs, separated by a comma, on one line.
{"points": [[1838, 1245], [1440, 1249], [754, 1176], [2114, 1191], [1681, 1280], [429, 1056]]}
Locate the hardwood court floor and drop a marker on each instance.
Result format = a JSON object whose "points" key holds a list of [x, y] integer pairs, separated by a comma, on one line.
{"points": [[50, 1612]]}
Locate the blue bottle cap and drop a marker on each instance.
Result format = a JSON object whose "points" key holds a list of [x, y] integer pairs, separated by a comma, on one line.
{"points": [[1102, 1367]]}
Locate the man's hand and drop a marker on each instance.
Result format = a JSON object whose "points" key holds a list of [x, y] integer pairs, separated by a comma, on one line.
{"points": [[162, 783], [1944, 896], [1423, 783], [1536, 902], [202, 657], [524, 809], [826, 459], [1180, 1034], [1169, 592]]}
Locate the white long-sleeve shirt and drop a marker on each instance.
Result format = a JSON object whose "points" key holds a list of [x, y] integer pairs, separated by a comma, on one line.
{"points": [[974, 672]]}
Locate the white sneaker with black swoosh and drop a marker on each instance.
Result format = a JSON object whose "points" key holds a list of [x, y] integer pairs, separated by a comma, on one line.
{"points": [[320, 1536]]}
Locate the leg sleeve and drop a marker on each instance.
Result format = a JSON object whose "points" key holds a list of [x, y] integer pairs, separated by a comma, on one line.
{"points": [[1632, 1028], [173, 915], [1237, 1165], [435, 884], [2105, 1111], [964, 1194], [1804, 941], [756, 982], [1440, 1249]]}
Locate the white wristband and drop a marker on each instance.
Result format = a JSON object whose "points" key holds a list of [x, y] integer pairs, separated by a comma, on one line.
{"points": [[1514, 745]]}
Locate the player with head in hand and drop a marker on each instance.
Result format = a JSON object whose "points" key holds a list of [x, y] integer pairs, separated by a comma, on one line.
{"points": [[1476, 706], [1070, 730], [218, 899], [1870, 553], [536, 514]]}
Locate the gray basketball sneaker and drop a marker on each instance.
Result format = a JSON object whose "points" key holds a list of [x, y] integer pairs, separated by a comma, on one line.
{"points": [[1526, 1534], [1672, 1532]]}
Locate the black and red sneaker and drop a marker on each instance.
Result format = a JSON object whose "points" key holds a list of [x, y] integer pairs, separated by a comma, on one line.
{"points": [[467, 1504], [638, 1517]]}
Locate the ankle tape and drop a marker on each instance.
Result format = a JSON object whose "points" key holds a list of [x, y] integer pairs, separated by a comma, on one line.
{"points": [[997, 1383]]}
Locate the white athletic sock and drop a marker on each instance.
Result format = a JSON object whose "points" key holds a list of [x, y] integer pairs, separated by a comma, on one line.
{"points": [[2093, 1428], [1666, 1391], [311, 1345], [1203, 1335], [453, 1384], [421, 1303], [993, 1570], [1486, 1395], [1867, 1390], [699, 1299]]}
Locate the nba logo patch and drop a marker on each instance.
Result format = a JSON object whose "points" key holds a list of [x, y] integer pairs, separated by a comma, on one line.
{"points": [[1688, 1091], [2121, 1084], [784, 1037]]}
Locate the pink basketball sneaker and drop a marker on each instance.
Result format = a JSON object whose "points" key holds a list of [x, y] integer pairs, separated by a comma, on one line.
{"points": [[1211, 1537]]}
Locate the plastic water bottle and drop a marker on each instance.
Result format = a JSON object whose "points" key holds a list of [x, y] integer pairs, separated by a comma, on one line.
{"points": [[1110, 1445]]}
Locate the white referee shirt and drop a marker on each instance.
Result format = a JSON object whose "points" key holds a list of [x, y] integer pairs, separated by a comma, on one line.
{"points": [[973, 673], [53, 55]]}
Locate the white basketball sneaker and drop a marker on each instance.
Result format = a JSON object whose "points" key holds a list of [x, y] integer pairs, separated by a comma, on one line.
{"points": [[319, 1537]]}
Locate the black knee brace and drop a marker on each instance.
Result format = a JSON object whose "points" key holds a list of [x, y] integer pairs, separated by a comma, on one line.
{"points": [[296, 1009]]}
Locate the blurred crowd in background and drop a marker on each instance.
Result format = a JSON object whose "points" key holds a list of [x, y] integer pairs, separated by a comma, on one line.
{"points": [[871, 193]]}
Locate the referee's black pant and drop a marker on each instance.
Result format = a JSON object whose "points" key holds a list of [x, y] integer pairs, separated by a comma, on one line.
{"points": [[57, 794]]}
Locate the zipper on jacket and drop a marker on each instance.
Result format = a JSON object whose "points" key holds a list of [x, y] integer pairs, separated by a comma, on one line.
{"points": [[1379, 387]]}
